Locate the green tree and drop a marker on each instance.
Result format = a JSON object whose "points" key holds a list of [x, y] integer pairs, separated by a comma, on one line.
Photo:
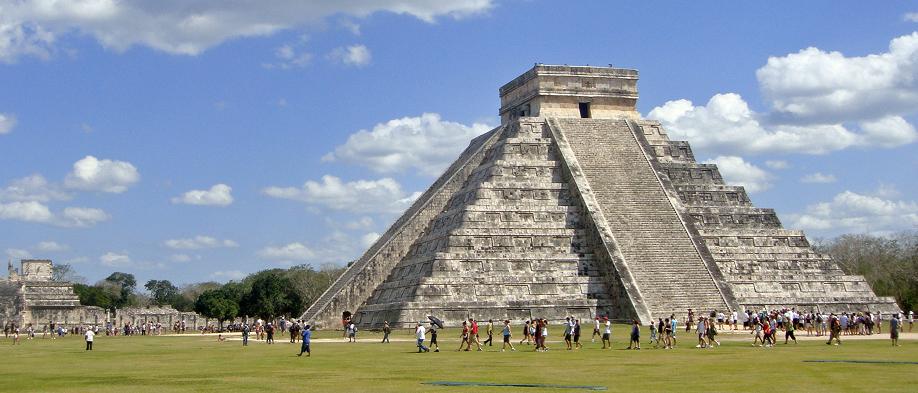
{"points": [[92, 295], [162, 292], [888, 263], [125, 283], [271, 294], [214, 304]]}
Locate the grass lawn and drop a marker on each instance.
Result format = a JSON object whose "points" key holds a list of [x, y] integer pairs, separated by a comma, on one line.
{"points": [[201, 364]]}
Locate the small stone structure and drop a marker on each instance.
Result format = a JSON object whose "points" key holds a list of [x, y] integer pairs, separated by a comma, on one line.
{"points": [[167, 316], [30, 297], [575, 205]]}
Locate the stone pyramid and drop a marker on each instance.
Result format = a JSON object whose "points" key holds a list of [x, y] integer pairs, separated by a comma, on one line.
{"points": [[577, 206]]}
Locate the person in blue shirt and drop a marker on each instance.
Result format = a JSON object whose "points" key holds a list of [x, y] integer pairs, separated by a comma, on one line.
{"points": [[307, 335]]}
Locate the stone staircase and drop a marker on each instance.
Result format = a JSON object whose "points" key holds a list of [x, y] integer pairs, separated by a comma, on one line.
{"points": [[668, 269]]}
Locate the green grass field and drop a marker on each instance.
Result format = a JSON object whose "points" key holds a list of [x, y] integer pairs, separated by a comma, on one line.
{"points": [[201, 364]]}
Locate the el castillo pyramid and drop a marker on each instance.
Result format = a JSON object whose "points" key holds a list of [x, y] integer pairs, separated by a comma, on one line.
{"points": [[575, 205]]}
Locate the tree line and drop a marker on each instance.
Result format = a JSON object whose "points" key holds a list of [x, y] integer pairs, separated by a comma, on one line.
{"points": [[266, 294], [888, 263]]}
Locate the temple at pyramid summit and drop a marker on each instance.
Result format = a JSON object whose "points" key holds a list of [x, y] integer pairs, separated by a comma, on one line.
{"points": [[577, 206]]}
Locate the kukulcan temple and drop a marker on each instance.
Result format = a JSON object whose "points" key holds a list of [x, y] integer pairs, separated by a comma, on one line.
{"points": [[577, 206]]}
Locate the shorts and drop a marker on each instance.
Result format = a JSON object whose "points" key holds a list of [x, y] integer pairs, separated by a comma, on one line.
{"points": [[433, 341], [894, 334], [507, 339], [605, 336], [576, 338], [635, 337], [567, 337]]}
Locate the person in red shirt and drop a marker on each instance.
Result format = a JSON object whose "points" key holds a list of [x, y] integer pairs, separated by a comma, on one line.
{"points": [[473, 335], [465, 335]]}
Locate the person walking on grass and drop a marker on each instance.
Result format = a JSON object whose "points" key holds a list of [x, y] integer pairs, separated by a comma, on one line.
{"points": [[464, 337], [635, 335], [596, 331], [894, 326], [307, 338], [506, 334], [526, 336], [568, 333], [911, 320], [675, 324], [789, 333], [544, 337], [245, 335], [653, 334], [712, 334], [89, 335], [607, 334], [834, 330], [490, 331], [433, 337], [385, 331], [351, 332], [419, 332], [16, 336], [667, 334], [701, 330], [473, 335], [577, 343]]}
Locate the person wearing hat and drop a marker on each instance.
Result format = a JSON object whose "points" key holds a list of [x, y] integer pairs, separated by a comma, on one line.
{"points": [[89, 335], [307, 337]]}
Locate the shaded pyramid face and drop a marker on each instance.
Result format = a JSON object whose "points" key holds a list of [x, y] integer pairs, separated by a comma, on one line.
{"points": [[548, 217]]}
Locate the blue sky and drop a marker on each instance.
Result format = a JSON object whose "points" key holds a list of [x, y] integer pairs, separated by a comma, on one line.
{"points": [[200, 140]]}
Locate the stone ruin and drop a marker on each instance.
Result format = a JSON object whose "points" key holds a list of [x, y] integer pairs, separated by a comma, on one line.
{"points": [[575, 205], [29, 296]]}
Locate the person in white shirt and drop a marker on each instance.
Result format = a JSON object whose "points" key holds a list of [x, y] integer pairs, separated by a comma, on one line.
{"points": [[607, 334], [911, 320], [733, 319], [595, 330], [89, 337], [419, 333]]}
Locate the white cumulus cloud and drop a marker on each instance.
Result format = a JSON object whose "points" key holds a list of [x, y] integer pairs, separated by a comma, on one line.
{"points": [[18, 253], [217, 195], [361, 196], [424, 143], [37, 212], [820, 102], [7, 121], [83, 216], [777, 164], [822, 86], [851, 212], [737, 171], [288, 252], [30, 211], [910, 17], [31, 28], [354, 55], [51, 246], [818, 177], [93, 174], [199, 242], [368, 239], [33, 188], [115, 259]]}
